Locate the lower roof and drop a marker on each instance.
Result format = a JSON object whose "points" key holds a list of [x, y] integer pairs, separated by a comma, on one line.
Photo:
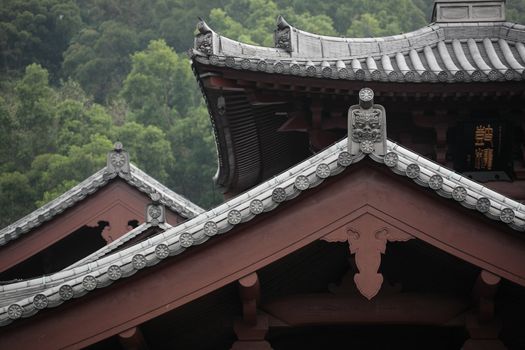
{"points": [[264, 198]]}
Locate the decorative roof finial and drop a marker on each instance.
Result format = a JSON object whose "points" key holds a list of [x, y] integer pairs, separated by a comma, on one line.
{"points": [[283, 35], [204, 39], [367, 126], [118, 160], [468, 11], [203, 27]]}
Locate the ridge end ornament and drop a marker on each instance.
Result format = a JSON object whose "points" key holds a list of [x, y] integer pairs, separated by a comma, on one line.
{"points": [[155, 214], [283, 35], [204, 40], [118, 160], [367, 126]]}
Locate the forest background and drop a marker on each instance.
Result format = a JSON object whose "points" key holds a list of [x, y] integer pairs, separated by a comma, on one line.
{"points": [[78, 75]]}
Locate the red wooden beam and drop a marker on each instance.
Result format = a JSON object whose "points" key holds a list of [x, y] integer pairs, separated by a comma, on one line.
{"points": [[330, 309]]}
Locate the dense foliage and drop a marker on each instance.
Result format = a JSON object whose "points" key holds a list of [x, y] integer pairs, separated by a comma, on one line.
{"points": [[78, 75]]}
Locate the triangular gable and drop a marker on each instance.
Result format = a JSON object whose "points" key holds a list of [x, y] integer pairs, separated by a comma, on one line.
{"points": [[104, 196], [366, 194], [116, 168]]}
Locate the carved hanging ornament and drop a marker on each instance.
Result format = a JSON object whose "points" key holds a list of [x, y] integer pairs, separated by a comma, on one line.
{"points": [[367, 238], [367, 126]]}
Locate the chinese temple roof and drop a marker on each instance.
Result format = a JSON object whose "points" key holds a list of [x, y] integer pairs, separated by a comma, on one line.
{"points": [[118, 166], [12, 292], [253, 92], [470, 41], [263, 198]]}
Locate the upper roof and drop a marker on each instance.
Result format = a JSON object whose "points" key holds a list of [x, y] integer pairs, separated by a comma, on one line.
{"points": [[118, 165], [469, 42]]}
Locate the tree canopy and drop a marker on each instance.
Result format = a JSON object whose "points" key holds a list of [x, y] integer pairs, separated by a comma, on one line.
{"points": [[78, 75]]}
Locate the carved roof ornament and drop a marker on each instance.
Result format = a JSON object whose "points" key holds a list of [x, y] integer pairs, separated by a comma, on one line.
{"points": [[468, 11], [204, 39], [155, 214], [283, 35], [118, 160], [367, 126]]}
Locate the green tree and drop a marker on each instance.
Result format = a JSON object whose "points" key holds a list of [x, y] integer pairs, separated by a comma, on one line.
{"points": [[35, 116], [52, 174], [79, 122], [159, 86], [148, 148], [7, 135], [100, 59], [193, 145], [16, 197], [36, 32]]}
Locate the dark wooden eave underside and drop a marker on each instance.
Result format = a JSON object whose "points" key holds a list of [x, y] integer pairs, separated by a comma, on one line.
{"points": [[256, 106]]}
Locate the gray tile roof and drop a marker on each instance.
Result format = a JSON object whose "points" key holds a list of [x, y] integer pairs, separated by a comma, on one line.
{"points": [[12, 292], [262, 198], [439, 52], [128, 172]]}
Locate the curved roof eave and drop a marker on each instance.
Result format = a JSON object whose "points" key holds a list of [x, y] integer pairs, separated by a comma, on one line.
{"points": [[439, 52]]}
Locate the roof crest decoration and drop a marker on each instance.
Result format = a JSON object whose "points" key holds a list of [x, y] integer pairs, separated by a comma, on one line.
{"points": [[283, 35], [367, 126], [204, 38], [118, 160]]}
